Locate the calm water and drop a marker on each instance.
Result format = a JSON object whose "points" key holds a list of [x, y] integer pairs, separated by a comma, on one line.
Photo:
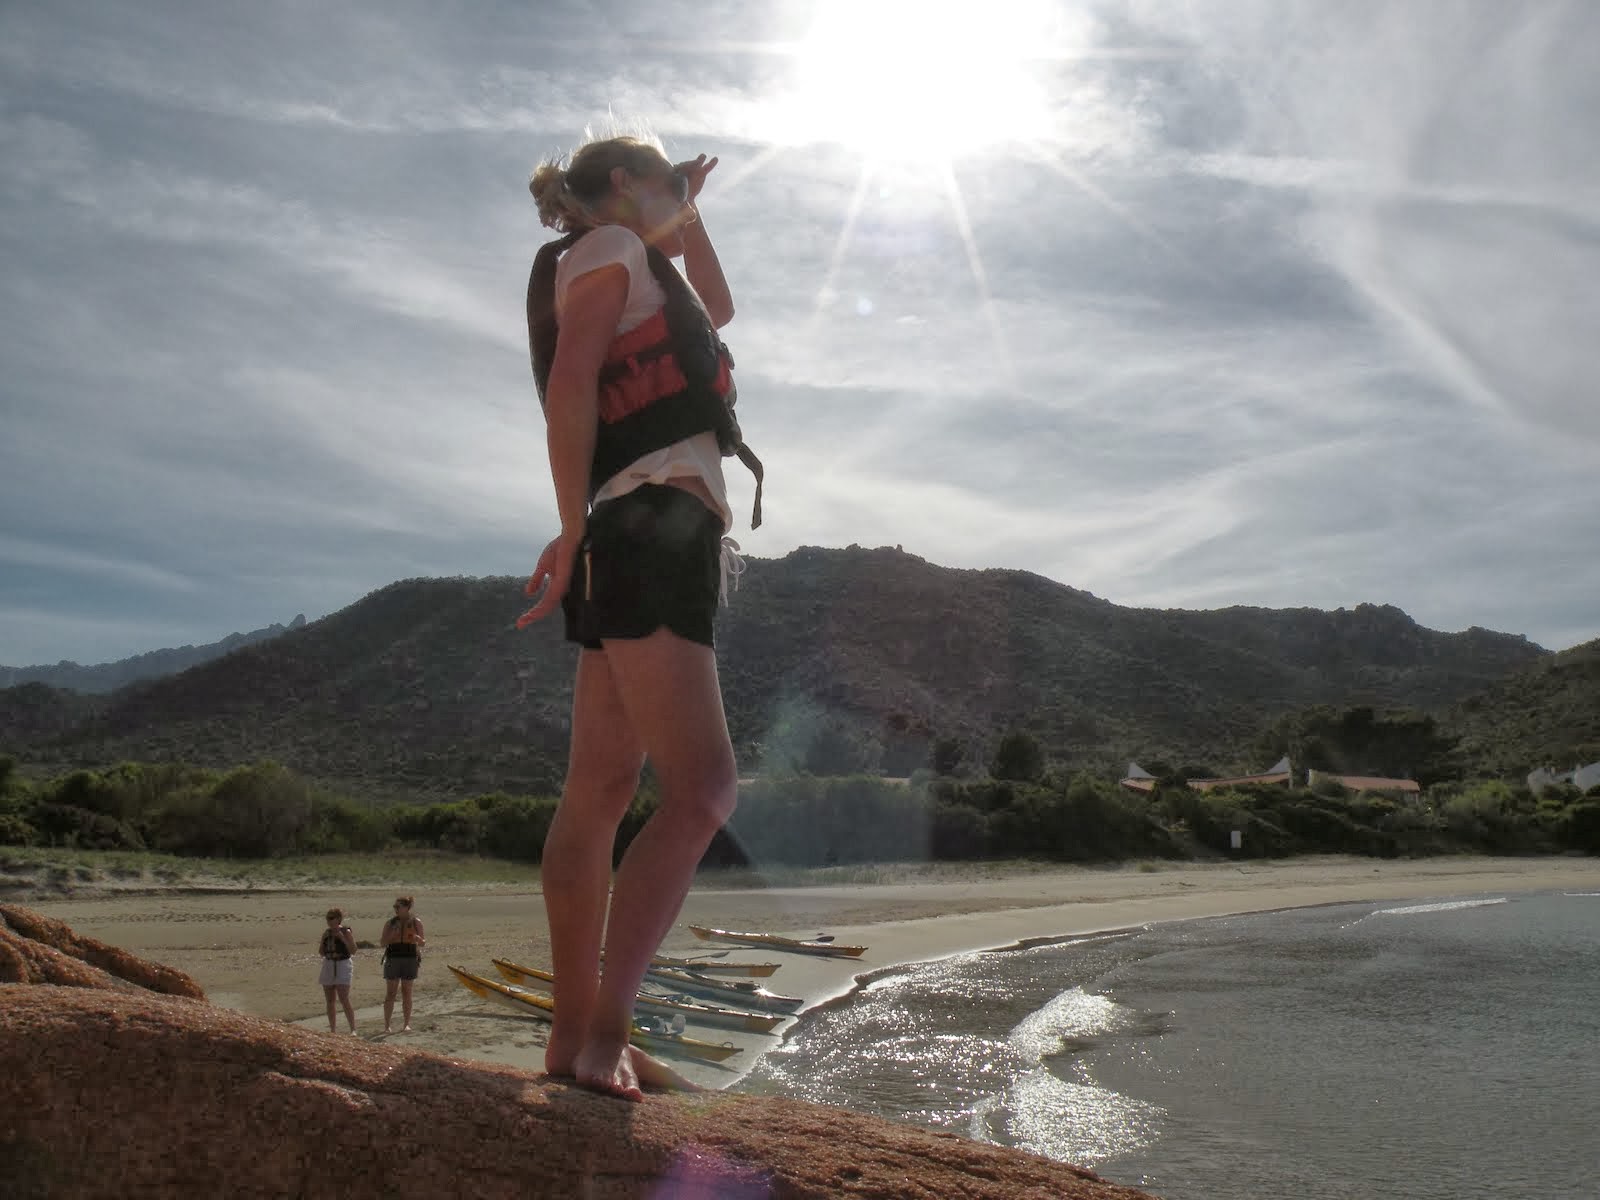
{"points": [[1447, 1049]]}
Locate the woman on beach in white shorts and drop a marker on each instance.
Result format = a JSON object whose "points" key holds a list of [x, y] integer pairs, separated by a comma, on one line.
{"points": [[337, 949]]}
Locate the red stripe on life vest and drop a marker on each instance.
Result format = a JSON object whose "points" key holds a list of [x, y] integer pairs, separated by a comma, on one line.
{"points": [[649, 374]]}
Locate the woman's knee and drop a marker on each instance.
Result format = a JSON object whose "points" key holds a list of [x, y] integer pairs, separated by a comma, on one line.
{"points": [[706, 799], [600, 784]]}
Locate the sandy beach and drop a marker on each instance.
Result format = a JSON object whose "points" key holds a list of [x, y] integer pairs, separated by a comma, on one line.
{"points": [[255, 950]]}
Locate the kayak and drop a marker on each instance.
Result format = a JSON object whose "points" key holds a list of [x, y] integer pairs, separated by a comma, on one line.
{"points": [[703, 1014], [773, 942], [532, 1004], [710, 966], [739, 992]]}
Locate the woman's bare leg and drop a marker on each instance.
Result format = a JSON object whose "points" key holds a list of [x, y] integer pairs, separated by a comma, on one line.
{"points": [[405, 1005], [333, 1025], [349, 1009], [669, 688], [602, 776], [390, 987]]}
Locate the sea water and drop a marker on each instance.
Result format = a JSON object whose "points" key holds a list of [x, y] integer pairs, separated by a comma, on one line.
{"points": [[1441, 1049]]}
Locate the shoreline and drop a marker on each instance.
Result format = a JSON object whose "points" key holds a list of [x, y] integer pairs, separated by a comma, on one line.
{"points": [[253, 949], [831, 989]]}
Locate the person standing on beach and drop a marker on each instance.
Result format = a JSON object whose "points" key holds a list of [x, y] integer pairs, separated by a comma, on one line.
{"points": [[637, 393], [402, 943], [337, 948]]}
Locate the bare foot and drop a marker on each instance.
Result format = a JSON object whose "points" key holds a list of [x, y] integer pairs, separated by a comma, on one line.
{"points": [[560, 1053], [405, 1029], [653, 1073], [608, 1067]]}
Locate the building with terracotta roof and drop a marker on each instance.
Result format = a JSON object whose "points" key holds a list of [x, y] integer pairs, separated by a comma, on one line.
{"points": [[1368, 783], [1278, 772]]}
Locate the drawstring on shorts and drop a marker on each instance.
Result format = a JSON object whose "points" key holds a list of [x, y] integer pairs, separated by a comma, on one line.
{"points": [[729, 566]]}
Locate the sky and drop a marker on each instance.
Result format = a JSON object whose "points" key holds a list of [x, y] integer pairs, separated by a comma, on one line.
{"points": [[1186, 304]]}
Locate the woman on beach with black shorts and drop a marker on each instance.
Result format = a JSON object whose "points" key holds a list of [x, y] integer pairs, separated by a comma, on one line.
{"points": [[402, 943], [637, 391]]}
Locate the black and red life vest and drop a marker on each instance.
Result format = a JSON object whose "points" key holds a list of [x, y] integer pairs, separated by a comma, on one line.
{"points": [[668, 379], [333, 946]]}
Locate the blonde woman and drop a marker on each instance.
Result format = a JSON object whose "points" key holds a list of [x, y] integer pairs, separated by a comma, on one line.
{"points": [[402, 943], [637, 393]]}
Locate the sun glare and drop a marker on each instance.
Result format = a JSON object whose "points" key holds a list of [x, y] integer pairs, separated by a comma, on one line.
{"points": [[924, 81]]}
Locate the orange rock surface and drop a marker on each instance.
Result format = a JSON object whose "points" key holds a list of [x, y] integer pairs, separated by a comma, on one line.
{"points": [[36, 949], [107, 1089]]}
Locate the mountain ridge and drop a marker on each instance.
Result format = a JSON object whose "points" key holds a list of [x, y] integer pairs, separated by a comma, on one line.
{"points": [[424, 685], [100, 678]]}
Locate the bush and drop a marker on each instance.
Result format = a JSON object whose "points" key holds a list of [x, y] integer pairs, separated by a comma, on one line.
{"points": [[14, 831], [68, 825], [1018, 757], [515, 827], [957, 833], [1580, 828], [947, 755]]}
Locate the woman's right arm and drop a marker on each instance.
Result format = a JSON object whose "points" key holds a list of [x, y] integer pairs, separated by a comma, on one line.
{"points": [[387, 937], [572, 397], [594, 305]]}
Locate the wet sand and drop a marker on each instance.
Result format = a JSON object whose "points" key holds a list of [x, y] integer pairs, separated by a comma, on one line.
{"points": [[256, 950]]}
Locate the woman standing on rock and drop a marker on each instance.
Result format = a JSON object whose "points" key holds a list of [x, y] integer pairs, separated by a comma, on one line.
{"points": [[402, 943], [637, 392], [337, 948]]}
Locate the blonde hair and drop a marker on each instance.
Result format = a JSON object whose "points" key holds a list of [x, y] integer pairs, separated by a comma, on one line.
{"points": [[568, 191]]}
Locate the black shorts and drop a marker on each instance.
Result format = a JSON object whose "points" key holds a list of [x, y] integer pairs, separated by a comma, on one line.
{"points": [[649, 559], [401, 968]]}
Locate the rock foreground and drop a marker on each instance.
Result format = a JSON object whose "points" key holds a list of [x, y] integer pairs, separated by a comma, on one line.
{"points": [[109, 1089]]}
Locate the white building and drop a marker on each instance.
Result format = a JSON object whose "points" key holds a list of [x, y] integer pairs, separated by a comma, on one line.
{"points": [[1582, 778]]}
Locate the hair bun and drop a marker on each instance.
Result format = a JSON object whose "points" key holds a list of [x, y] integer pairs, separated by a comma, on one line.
{"points": [[548, 185]]}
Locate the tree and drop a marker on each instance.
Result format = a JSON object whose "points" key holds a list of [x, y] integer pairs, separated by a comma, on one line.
{"points": [[947, 755], [1018, 757]]}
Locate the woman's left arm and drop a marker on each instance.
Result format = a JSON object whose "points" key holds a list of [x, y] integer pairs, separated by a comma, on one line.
{"points": [[417, 925], [700, 261], [704, 270]]}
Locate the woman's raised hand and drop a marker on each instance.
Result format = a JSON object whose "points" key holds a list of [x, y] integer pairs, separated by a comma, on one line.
{"points": [[695, 171]]}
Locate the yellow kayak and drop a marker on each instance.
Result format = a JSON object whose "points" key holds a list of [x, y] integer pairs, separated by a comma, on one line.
{"points": [[775, 942], [543, 1008], [704, 1014]]}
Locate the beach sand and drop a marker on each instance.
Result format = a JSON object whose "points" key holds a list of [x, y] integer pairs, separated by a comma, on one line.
{"points": [[255, 950]]}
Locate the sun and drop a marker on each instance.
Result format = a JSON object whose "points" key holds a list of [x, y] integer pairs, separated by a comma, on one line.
{"points": [[921, 80]]}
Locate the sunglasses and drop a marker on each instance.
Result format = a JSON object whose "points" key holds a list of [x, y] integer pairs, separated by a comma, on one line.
{"points": [[679, 183]]}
